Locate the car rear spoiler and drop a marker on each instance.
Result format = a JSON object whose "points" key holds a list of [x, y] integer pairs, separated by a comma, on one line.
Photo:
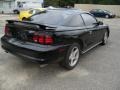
{"points": [[12, 21], [45, 27], [33, 23]]}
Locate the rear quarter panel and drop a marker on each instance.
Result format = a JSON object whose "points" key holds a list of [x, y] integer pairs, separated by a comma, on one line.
{"points": [[69, 35]]}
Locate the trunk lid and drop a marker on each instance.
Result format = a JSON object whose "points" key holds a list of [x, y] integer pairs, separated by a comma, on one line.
{"points": [[26, 31]]}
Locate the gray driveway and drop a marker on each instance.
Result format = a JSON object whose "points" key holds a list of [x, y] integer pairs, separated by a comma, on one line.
{"points": [[99, 69]]}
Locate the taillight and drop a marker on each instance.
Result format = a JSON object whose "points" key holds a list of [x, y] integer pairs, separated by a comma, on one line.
{"points": [[6, 30], [48, 40], [35, 38], [43, 39]]}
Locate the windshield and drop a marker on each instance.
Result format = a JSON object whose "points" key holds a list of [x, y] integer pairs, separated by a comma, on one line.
{"points": [[51, 18]]}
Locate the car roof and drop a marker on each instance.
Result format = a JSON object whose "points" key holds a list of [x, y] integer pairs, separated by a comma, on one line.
{"points": [[40, 8], [37, 8], [96, 9], [100, 9], [67, 11]]}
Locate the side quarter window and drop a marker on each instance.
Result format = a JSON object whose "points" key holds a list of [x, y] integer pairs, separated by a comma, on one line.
{"points": [[89, 19], [37, 11], [75, 21]]}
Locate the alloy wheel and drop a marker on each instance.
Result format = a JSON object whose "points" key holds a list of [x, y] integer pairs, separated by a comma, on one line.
{"points": [[74, 56]]}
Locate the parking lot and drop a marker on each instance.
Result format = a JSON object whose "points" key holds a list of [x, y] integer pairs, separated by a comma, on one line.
{"points": [[98, 69]]}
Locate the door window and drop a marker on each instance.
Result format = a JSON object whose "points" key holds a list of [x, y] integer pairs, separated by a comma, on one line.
{"points": [[37, 10], [75, 21], [89, 19]]}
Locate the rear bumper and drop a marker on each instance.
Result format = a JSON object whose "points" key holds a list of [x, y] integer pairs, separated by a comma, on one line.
{"points": [[39, 53]]}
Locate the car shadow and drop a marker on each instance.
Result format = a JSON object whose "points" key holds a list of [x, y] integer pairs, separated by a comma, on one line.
{"points": [[52, 69], [32, 71]]}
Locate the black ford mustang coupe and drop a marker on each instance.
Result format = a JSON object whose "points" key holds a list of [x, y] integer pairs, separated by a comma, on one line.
{"points": [[55, 36]]}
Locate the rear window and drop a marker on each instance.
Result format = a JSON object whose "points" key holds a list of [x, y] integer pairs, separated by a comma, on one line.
{"points": [[58, 18], [52, 18], [107, 11], [32, 12]]}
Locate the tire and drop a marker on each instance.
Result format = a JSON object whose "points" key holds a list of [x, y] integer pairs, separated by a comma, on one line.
{"points": [[2, 12], [105, 38], [107, 16], [16, 12], [23, 19], [74, 52]]}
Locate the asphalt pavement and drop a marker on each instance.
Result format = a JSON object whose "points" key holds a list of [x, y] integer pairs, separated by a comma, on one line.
{"points": [[98, 69]]}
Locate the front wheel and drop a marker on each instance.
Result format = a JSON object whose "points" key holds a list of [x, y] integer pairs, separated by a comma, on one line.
{"points": [[105, 39], [107, 16], [72, 57]]}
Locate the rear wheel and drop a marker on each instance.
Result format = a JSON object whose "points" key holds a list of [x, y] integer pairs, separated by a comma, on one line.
{"points": [[72, 57], [23, 19]]}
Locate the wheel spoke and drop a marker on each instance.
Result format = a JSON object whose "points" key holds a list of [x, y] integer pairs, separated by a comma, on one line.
{"points": [[71, 56], [72, 61], [77, 56], [74, 56], [75, 52], [105, 38]]}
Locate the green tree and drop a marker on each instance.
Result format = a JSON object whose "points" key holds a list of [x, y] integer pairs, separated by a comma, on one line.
{"points": [[72, 2], [51, 3]]}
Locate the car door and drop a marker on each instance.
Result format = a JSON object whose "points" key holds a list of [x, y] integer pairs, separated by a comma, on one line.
{"points": [[101, 13], [98, 14], [89, 27], [95, 13], [95, 31], [75, 29]]}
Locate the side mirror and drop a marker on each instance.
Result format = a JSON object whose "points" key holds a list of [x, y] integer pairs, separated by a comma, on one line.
{"points": [[98, 23]]}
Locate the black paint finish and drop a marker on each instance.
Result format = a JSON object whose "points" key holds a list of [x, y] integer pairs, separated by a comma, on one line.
{"points": [[64, 37]]}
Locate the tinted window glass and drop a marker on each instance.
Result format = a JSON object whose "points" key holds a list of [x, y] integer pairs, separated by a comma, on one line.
{"points": [[75, 21], [31, 12], [37, 11], [89, 19], [95, 10], [107, 11], [51, 18], [101, 11]]}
